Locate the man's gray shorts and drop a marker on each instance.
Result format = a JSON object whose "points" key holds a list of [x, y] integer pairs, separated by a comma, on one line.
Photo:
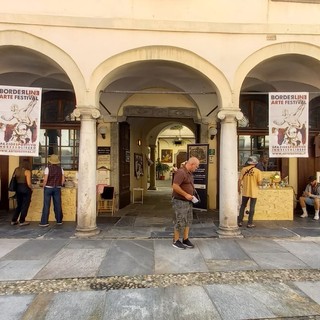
{"points": [[183, 214]]}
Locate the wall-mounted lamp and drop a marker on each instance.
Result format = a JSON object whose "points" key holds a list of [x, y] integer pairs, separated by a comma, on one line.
{"points": [[212, 132], [103, 131], [139, 142]]}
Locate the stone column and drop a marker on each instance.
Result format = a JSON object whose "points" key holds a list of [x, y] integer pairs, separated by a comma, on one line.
{"points": [[228, 188], [152, 168], [86, 205]]}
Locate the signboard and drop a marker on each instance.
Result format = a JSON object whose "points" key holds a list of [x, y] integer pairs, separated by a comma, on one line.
{"points": [[104, 150], [200, 151], [20, 110], [288, 124]]}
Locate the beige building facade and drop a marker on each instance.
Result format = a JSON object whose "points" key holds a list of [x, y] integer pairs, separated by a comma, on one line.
{"points": [[136, 68]]}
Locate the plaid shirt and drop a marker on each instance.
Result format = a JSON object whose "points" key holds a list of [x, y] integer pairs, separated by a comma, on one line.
{"points": [[54, 176]]}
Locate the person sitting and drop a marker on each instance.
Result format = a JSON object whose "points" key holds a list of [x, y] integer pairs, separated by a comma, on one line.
{"points": [[311, 197]]}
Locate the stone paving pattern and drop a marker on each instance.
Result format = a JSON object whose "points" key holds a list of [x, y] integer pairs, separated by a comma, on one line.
{"points": [[131, 271]]}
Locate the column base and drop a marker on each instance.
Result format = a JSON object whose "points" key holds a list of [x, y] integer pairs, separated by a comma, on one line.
{"points": [[229, 232], [85, 233]]}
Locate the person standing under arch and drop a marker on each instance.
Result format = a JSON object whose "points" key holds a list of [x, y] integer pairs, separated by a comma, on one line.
{"points": [[249, 180], [52, 182], [23, 193], [183, 194]]}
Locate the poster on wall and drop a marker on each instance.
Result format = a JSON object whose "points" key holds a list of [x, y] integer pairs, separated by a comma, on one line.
{"points": [[200, 176], [288, 124], [20, 110], [138, 165]]}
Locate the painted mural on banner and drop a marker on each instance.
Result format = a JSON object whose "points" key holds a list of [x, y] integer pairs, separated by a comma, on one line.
{"points": [[288, 124], [20, 109]]}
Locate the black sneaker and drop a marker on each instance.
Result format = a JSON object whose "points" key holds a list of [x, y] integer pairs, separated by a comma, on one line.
{"points": [[188, 243], [178, 245]]}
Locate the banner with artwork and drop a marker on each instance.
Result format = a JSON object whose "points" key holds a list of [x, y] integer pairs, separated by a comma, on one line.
{"points": [[288, 124], [200, 151], [20, 109]]}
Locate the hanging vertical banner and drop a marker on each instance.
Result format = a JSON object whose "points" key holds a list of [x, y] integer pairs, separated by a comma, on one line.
{"points": [[200, 176], [20, 109], [288, 124]]}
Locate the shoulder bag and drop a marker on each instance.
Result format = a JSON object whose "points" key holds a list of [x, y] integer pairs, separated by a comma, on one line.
{"points": [[13, 183]]}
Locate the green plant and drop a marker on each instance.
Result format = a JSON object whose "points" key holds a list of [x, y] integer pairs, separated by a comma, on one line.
{"points": [[161, 168]]}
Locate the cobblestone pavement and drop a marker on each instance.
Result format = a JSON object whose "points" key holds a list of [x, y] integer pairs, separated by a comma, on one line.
{"points": [[156, 281], [131, 271]]}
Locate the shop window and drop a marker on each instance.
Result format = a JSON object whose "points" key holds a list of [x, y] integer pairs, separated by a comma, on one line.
{"points": [[60, 131], [63, 142], [255, 145]]}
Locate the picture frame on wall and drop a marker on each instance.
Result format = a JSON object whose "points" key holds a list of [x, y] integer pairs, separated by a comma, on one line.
{"points": [[166, 155], [199, 151], [138, 165]]}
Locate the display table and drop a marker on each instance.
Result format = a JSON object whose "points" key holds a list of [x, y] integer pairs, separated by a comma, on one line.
{"points": [[274, 204], [68, 200]]}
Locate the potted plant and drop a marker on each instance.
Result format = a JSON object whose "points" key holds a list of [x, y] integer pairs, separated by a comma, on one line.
{"points": [[161, 169]]}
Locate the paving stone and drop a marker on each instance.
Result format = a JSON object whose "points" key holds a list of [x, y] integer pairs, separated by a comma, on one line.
{"points": [[20, 269], [231, 265], [70, 263], [85, 305], [7, 245], [311, 289], [36, 249], [307, 231], [89, 244], [283, 260], [254, 300], [125, 233], [128, 257], [126, 221], [171, 260], [13, 307], [260, 232], [152, 222], [221, 249], [259, 245], [306, 251], [186, 303]]}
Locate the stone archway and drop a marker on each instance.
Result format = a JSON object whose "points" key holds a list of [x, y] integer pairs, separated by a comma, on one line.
{"points": [[51, 51]]}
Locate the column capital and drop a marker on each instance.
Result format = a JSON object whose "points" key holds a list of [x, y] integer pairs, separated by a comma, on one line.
{"points": [[230, 115], [86, 112]]}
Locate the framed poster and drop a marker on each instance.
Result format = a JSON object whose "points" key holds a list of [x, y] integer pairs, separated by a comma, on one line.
{"points": [[138, 165], [199, 151], [166, 155], [200, 176]]}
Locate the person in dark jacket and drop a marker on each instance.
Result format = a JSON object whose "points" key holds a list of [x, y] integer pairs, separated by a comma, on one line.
{"points": [[52, 182], [23, 193]]}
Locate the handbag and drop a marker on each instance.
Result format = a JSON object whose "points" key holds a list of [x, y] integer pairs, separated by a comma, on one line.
{"points": [[13, 183]]}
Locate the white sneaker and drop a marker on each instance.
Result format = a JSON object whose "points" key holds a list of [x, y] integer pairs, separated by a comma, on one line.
{"points": [[304, 215], [316, 217]]}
